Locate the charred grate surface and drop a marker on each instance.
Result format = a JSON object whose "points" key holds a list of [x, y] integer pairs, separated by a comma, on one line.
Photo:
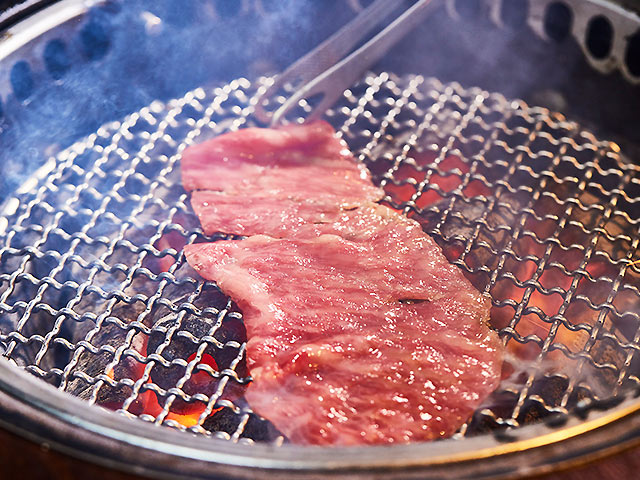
{"points": [[96, 298]]}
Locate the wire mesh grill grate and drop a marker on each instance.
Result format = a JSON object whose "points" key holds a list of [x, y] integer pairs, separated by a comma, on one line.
{"points": [[96, 298]]}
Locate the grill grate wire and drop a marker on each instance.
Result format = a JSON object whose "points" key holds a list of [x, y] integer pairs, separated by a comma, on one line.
{"points": [[96, 298]]}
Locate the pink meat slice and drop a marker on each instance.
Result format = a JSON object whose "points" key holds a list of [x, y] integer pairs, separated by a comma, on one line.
{"points": [[258, 213], [296, 162], [380, 228], [353, 344]]}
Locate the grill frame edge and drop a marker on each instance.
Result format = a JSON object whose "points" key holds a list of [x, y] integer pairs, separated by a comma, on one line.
{"points": [[41, 413]]}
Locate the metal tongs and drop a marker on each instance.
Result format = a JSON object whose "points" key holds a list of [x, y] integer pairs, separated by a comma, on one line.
{"points": [[317, 73]]}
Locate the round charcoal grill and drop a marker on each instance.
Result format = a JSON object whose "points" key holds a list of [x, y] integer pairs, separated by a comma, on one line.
{"points": [[117, 352]]}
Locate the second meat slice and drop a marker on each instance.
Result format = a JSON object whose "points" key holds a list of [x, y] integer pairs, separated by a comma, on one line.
{"points": [[360, 331]]}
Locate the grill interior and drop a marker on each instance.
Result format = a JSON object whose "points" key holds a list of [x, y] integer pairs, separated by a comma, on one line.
{"points": [[96, 297]]}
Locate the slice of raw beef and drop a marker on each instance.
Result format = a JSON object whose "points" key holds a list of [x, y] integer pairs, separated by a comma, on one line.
{"points": [[350, 343], [260, 213], [360, 331], [263, 214], [299, 161], [261, 177]]}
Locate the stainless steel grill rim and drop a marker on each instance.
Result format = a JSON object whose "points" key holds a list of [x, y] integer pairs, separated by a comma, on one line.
{"points": [[122, 182], [58, 421]]}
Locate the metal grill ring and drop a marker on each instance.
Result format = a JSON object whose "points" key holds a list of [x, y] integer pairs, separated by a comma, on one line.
{"points": [[96, 298]]}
